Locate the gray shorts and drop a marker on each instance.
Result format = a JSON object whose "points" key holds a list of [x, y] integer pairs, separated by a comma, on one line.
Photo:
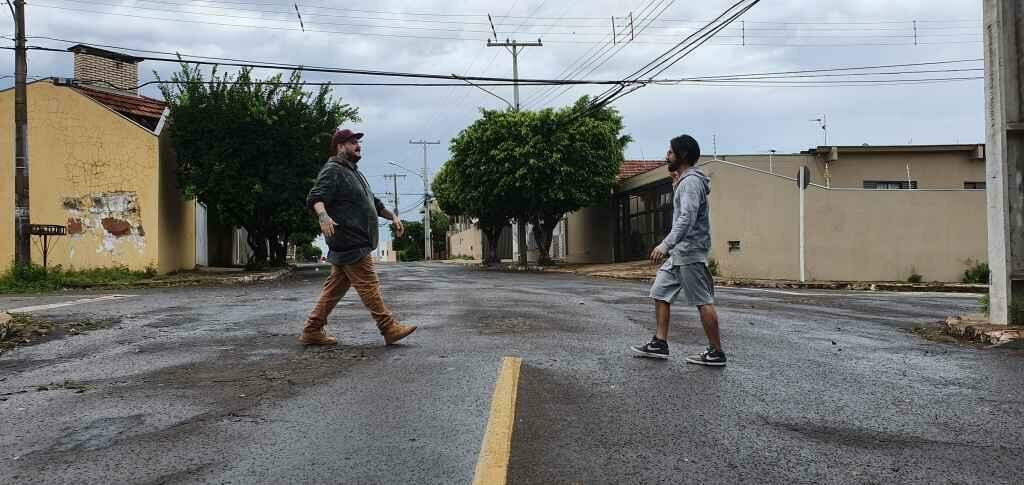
{"points": [[690, 284]]}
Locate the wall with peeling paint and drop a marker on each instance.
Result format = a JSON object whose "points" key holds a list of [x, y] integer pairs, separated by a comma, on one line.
{"points": [[100, 174]]}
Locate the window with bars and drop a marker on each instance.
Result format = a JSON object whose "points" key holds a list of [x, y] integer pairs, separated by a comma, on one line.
{"points": [[890, 184], [645, 217], [974, 185]]}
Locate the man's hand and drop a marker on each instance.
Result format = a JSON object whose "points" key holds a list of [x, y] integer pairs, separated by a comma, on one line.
{"points": [[657, 255], [399, 228], [326, 224]]}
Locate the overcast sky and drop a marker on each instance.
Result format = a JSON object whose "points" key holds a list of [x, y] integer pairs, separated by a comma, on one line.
{"points": [[437, 37]]}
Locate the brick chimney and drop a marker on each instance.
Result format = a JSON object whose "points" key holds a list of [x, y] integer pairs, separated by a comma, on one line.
{"points": [[106, 70]]}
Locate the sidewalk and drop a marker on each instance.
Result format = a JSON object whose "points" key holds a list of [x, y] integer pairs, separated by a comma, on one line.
{"points": [[645, 271], [216, 276]]}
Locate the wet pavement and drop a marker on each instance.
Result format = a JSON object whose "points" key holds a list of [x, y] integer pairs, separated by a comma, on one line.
{"points": [[208, 385]]}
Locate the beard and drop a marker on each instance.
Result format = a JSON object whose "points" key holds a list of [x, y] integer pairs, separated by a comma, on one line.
{"points": [[674, 166], [353, 155]]}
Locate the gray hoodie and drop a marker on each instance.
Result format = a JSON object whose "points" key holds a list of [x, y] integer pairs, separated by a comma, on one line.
{"points": [[690, 238]]}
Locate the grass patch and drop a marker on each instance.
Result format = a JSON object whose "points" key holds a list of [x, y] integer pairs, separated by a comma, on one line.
{"points": [[976, 273], [713, 267], [935, 333], [914, 277], [34, 279]]}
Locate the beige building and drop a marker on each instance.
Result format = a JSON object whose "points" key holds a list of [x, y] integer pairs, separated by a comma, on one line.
{"points": [[102, 166], [871, 213]]}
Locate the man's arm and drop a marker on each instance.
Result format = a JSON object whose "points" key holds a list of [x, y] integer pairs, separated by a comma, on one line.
{"points": [[689, 199], [323, 190], [384, 213]]}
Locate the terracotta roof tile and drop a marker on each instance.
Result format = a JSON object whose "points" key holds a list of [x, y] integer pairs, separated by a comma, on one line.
{"points": [[140, 108], [632, 168]]}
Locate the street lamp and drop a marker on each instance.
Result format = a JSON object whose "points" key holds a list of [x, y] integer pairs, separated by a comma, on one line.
{"points": [[509, 103], [823, 122]]}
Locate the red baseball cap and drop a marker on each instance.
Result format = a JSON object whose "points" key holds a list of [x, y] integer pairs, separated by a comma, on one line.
{"points": [[342, 136]]}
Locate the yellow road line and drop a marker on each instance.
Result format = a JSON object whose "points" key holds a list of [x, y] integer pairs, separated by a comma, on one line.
{"points": [[492, 467]]}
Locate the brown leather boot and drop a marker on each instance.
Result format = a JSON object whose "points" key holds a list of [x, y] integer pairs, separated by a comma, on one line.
{"points": [[317, 337], [396, 331]]}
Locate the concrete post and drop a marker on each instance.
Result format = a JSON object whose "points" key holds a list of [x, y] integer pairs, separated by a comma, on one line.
{"points": [[1004, 108]]}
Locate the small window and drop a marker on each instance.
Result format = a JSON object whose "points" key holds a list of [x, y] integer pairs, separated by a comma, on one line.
{"points": [[734, 246], [890, 185], [974, 185]]}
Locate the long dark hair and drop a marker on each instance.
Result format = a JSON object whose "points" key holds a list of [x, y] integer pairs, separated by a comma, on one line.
{"points": [[686, 149]]}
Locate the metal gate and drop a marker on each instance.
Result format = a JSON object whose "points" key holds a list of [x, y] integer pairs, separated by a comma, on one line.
{"points": [[202, 237]]}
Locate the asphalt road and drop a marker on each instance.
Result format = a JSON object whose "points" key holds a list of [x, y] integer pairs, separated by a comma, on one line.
{"points": [[209, 385]]}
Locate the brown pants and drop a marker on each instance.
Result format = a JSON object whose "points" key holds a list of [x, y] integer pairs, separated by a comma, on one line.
{"points": [[363, 277]]}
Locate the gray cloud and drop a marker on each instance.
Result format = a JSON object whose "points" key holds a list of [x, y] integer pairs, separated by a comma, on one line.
{"points": [[743, 119]]}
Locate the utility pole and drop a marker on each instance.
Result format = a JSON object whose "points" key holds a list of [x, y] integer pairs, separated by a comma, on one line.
{"points": [[513, 47], [395, 177], [1004, 159], [427, 243], [22, 245]]}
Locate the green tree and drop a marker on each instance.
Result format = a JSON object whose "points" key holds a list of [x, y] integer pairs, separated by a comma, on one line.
{"points": [[250, 150], [307, 252], [458, 194], [439, 223], [533, 166], [410, 246]]}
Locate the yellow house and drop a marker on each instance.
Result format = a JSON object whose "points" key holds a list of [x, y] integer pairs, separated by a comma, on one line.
{"points": [[101, 165]]}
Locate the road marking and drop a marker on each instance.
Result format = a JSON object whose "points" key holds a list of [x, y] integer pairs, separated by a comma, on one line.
{"points": [[492, 467], [37, 308]]}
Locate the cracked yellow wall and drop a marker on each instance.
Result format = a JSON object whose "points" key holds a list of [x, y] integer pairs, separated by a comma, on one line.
{"points": [[90, 169]]}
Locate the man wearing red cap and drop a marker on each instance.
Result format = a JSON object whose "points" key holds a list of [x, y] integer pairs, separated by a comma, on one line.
{"points": [[348, 212]]}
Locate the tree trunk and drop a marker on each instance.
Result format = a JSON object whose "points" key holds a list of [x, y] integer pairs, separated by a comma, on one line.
{"points": [[278, 250], [543, 230], [524, 250], [258, 243], [493, 236]]}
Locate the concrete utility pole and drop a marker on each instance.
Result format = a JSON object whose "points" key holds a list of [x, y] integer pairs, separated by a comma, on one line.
{"points": [[428, 249], [1004, 155], [22, 244], [395, 177], [513, 47]]}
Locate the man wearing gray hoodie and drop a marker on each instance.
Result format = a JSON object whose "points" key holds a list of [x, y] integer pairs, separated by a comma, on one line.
{"points": [[684, 276]]}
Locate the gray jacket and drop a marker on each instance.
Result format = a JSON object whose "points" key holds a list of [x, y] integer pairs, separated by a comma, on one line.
{"points": [[690, 238], [348, 199]]}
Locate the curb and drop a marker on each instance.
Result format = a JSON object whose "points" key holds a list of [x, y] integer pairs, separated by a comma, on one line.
{"points": [[648, 276], [980, 330]]}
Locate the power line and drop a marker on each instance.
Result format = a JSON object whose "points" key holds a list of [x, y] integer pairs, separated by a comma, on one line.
{"points": [[601, 20], [613, 54], [668, 59], [401, 28], [584, 59], [488, 81]]}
